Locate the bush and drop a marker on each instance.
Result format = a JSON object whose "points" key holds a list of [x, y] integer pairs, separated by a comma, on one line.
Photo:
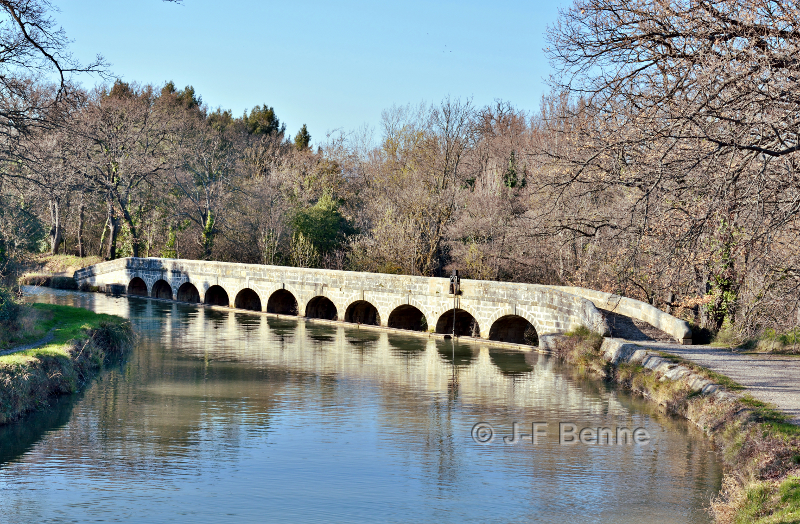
{"points": [[63, 283], [9, 308]]}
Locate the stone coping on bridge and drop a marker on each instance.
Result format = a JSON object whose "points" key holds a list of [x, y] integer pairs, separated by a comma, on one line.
{"points": [[677, 328], [548, 310]]}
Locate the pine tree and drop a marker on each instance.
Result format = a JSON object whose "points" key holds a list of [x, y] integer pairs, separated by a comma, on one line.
{"points": [[302, 139]]}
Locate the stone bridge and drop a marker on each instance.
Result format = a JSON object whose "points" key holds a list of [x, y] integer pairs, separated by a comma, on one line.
{"points": [[501, 311]]}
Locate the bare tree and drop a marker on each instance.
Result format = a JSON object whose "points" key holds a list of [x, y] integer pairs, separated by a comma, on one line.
{"points": [[683, 120]]}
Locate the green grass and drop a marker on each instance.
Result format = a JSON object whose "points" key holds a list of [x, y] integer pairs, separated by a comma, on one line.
{"points": [[69, 323], [769, 503], [82, 343], [774, 421]]}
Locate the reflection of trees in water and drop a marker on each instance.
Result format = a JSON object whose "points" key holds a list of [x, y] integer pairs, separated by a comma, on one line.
{"points": [[19, 437]]}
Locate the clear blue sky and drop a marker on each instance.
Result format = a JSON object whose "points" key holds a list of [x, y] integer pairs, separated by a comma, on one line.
{"points": [[328, 64]]}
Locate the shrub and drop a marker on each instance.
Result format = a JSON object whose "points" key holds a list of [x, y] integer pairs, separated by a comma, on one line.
{"points": [[63, 283], [9, 308]]}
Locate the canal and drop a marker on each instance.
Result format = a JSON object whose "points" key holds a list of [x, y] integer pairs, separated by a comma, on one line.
{"points": [[221, 416]]}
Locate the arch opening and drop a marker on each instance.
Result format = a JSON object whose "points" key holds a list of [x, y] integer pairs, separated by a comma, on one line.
{"points": [[188, 293], [216, 296], [321, 307], [362, 312], [408, 317], [161, 289], [282, 302], [515, 329], [465, 324], [137, 287], [247, 299]]}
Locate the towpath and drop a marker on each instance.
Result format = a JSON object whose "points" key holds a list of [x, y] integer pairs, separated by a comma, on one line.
{"points": [[769, 378]]}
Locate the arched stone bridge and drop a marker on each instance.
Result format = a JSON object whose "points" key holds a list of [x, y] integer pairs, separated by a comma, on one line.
{"points": [[502, 311]]}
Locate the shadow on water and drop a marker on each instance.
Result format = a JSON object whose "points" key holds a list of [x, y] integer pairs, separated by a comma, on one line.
{"points": [[455, 352], [21, 436], [510, 362]]}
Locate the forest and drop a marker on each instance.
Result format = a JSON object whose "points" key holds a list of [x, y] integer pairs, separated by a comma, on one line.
{"points": [[662, 166]]}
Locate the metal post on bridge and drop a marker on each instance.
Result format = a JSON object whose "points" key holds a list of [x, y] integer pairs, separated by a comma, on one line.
{"points": [[455, 285]]}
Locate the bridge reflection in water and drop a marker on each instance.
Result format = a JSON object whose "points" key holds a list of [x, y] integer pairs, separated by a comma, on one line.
{"points": [[222, 413]]}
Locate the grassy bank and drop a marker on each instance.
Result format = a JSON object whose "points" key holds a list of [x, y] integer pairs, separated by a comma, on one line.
{"points": [[760, 448], [79, 343]]}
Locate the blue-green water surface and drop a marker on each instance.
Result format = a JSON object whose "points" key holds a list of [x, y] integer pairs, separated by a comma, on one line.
{"points": [[222, 416]]}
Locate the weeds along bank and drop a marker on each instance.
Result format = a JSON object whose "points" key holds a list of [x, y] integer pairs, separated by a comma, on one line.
{"points": [[760, 448], [78, 343]]}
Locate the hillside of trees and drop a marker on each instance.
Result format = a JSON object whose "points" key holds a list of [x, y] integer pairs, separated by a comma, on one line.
{"points": [[662, 166]]}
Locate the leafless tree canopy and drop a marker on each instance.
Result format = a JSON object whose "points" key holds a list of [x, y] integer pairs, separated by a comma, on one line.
{"points": [[662, 166]]}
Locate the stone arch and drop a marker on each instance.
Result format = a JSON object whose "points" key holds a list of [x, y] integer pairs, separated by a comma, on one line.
{"points": [[161, 289], [282, 302], [465, 324], [217, 296], [362, 312], [514, 328], [188, 293], [247, 299], [321, 307], [137, 287], [408, 317], [513, 312]]}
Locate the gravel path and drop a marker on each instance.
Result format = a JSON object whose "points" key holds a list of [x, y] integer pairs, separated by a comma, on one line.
{"points": [[769, 378], [47, 338]]}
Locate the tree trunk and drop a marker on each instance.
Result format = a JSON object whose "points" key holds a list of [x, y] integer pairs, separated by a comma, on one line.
{"points": [[113, 230], [134, 232], [55, 227], [81, 209]]}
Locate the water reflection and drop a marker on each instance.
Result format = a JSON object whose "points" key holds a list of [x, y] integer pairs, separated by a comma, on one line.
{"points": [[511, 362], [229, 417], [454, 352]]}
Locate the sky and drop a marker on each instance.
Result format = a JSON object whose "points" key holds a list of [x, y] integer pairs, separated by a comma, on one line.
{"points": [[328, 64]]}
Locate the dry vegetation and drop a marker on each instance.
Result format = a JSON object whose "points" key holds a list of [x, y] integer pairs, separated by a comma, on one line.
{"points": [[760, 448]]}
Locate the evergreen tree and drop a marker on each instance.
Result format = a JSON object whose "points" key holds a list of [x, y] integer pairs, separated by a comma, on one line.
{"points": [[302, 139], [262, 120]]}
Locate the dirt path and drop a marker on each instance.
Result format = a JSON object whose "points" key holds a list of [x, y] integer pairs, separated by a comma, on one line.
{"points": [[41, 342], [770, 378]]}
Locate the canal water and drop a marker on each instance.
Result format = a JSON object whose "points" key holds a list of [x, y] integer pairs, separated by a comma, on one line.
{"points": [[222, 416]]}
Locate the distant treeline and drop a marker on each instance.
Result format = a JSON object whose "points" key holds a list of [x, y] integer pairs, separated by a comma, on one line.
{"points": [[662, 166]]}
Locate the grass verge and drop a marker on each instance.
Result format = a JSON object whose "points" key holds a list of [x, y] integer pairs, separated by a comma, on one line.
{"points": [[82, 343], [760, 447]]}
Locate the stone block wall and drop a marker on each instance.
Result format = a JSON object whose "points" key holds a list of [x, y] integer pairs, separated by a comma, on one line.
{"points": [[549, 310]]}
